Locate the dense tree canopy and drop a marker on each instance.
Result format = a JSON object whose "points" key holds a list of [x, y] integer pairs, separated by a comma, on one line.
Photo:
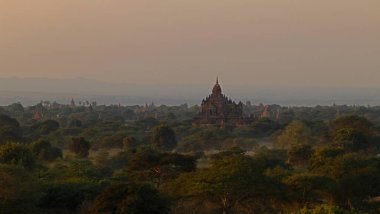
{"points": [[18, 190], [10, 129], [298, 160], [131, 198], [360, 123], [351, 138], [163, 138], [17, 154], [45, 151], [295, 133], [219, 184], [80, 146]]}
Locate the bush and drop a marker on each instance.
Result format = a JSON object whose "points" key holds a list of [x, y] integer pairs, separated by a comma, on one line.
{"points": [[80, 146], [44, 151], [17, 154]]}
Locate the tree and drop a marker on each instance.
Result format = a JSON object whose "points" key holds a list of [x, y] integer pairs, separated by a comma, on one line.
{"points": [[308, 188], [9, 134], [130, 144], [294, 133], [163, 138], [75, 123], [18, 190], [350, 138], [322, 159], [17, 154], [44, 151], [80, 146], [357, 177], [78, 169], [45, 127], [232, 152], [9, 129], [299, 154], [16, 108], [271, 158], [67, 195], [228, 182], [150, 165], [130, 198], [264, 127], [359, 123], [325, 209], [49, 126], [147, 123], [6, 120]]}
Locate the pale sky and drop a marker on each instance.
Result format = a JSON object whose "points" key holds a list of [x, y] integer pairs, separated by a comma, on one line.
{"points": [[319, 43]]}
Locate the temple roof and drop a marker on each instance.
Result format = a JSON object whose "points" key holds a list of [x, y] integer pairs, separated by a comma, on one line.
{"points": [[217, 89]]}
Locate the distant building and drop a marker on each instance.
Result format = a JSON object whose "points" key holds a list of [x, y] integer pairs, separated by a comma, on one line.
{"points": [[37, 116], [217, 109], [266, 112], [72, 103], [145, 109]]}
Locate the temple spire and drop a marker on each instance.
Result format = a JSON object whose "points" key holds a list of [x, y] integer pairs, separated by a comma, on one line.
{"points": [[217, 89]]}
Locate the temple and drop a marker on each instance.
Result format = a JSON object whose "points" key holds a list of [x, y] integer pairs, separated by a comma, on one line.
{"points": [[217, 109]]}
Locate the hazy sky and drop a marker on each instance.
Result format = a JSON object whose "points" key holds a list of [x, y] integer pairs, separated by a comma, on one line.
{"points": [[323, 43]]}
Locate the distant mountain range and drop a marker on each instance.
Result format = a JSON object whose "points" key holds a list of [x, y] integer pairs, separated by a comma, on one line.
{"points": [[29, 91]]}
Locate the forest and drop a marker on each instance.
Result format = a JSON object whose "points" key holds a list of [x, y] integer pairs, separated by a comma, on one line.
{"points": [[93, 158]]}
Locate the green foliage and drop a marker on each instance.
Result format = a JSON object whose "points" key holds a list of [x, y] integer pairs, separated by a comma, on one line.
{"points": [[264, 127], [227, 182], [232, 152], [130, 144], [18, 190], [80, 146], [299, 154], [146, 123], [215, 138], [45, 127], [17, 154], [118, 161], [357, 177], [271, 158], [326, 209], [294, 133], [131, 198], [355, 122], [308, 188], [102, 158], [152, 166], [322, 159], [143, 159], [67, 195], [9, 129], [79, 169], [38, 146], [351, 139], [44, 151], [6, 120], [315, 162], [16, 108], [114, 140], [357, 180], [75, 123], [163, 138]]}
